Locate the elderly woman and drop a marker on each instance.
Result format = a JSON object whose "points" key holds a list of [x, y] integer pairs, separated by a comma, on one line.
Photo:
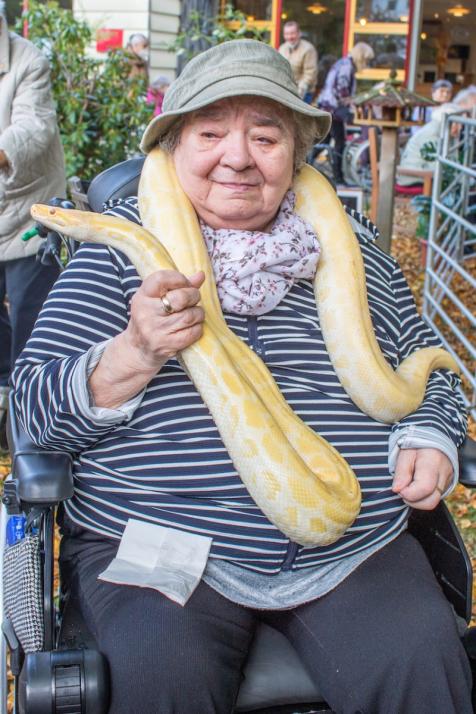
{"points": [[336, 96], [100, 377]]}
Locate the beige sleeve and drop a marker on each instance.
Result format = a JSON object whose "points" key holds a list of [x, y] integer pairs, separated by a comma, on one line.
{"points": [[33, 117], [308, 80]]}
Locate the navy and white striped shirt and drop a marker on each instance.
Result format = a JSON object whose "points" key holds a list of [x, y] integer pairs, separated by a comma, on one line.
{"points": [[167, 464]]}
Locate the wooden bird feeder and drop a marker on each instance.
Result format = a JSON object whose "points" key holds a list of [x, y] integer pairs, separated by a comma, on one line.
{"points": [[388, 106]]}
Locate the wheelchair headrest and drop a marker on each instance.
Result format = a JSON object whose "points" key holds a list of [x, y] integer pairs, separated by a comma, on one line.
{"points": [[118, 181]]}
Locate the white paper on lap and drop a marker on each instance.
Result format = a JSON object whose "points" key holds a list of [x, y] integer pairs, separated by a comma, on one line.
{"points": [[165, 559]]}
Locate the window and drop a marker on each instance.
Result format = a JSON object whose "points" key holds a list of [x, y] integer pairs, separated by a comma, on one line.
{"points": [[261, 15], [384, 25], [322, 23]]}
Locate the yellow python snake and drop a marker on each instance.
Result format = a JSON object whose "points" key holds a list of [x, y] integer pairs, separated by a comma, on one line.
{"points": [[297, 478]]}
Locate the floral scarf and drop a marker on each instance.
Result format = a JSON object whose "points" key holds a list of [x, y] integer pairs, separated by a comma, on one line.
{"points": [[254, 270]]}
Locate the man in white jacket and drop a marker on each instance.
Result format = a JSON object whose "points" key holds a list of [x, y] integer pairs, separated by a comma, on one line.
{"points": [[31, 171]]}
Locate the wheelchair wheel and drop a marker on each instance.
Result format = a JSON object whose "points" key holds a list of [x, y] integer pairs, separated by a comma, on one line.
{"points": [[356, 164]]}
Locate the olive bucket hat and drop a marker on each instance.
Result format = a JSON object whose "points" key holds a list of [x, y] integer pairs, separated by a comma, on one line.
{"points": [[232, 69]]}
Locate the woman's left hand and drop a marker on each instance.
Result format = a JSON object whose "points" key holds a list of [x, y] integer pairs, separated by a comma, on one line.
{"points": [[422, 477]]}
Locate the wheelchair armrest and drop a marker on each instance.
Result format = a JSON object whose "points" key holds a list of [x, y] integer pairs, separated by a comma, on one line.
{"points": [[41, 476], [440, 539], [468, 463]]}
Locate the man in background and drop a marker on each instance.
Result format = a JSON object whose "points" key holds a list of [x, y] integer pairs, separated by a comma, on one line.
{"points": [[31, 171], [138, 48], [302, 57]]}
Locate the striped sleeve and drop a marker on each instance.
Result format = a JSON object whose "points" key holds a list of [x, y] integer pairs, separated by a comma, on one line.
{"points": [[85, 308], [442, 409]]}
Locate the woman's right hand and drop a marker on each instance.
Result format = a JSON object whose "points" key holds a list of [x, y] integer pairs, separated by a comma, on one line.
{"points": [[151, 337], [153, 334]]}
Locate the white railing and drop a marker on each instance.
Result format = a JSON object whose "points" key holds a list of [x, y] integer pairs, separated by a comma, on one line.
{"points": [[450, 278]]}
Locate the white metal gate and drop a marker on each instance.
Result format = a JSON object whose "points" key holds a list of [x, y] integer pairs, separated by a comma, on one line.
{"points": [[450, 279]]}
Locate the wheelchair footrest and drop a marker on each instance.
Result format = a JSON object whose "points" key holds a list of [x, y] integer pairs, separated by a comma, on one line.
{"points": [[64, 682]]}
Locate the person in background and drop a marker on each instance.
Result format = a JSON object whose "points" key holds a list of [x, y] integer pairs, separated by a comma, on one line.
{"points": [[156, 93], [138, 48], [323, 67], [441, 93], [302, 56], [413, 154], [139, 44], [31, 171], [466, 98], [339, 87]]}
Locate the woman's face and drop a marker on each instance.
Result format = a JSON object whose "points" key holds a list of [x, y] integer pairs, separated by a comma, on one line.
{"points": [[235, 162]]}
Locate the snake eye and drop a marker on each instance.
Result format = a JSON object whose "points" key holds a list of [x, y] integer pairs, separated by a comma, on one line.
{"points": [[52, 211]]}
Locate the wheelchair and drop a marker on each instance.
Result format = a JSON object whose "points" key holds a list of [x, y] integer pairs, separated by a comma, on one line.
{"points": [[70, 676]]}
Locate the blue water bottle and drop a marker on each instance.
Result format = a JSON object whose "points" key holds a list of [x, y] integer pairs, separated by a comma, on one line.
{"points": [[15, 529]]}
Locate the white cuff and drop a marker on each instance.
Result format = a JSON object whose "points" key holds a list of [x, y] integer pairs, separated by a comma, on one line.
{"points": [[423, 437], [79, 385]]}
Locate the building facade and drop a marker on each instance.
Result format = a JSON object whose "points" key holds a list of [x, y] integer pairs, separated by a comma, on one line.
{"points": [[422, 39]]}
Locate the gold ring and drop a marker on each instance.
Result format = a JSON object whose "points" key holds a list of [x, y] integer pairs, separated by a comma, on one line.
{"points": [[168, 309]]}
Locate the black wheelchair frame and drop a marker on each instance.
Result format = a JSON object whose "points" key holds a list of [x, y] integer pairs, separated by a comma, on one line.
{"points": [[71, 676]]}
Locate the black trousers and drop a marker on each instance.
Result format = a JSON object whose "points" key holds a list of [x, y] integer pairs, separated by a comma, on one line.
{"points": [[26, 282], [338, 134], [383, 642]]}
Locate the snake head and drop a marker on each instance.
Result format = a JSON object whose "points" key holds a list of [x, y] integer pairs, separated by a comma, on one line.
{"points": [[64, 220]]}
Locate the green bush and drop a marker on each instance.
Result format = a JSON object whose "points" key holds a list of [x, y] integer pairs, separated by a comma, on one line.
{"points": [[101, 111], [423, 204]]}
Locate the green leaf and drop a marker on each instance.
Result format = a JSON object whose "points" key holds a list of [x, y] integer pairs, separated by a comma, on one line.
{"points": [[99, 110]]}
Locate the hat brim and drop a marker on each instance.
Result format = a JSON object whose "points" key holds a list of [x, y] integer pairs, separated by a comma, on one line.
{"points": [[235, 87]]}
